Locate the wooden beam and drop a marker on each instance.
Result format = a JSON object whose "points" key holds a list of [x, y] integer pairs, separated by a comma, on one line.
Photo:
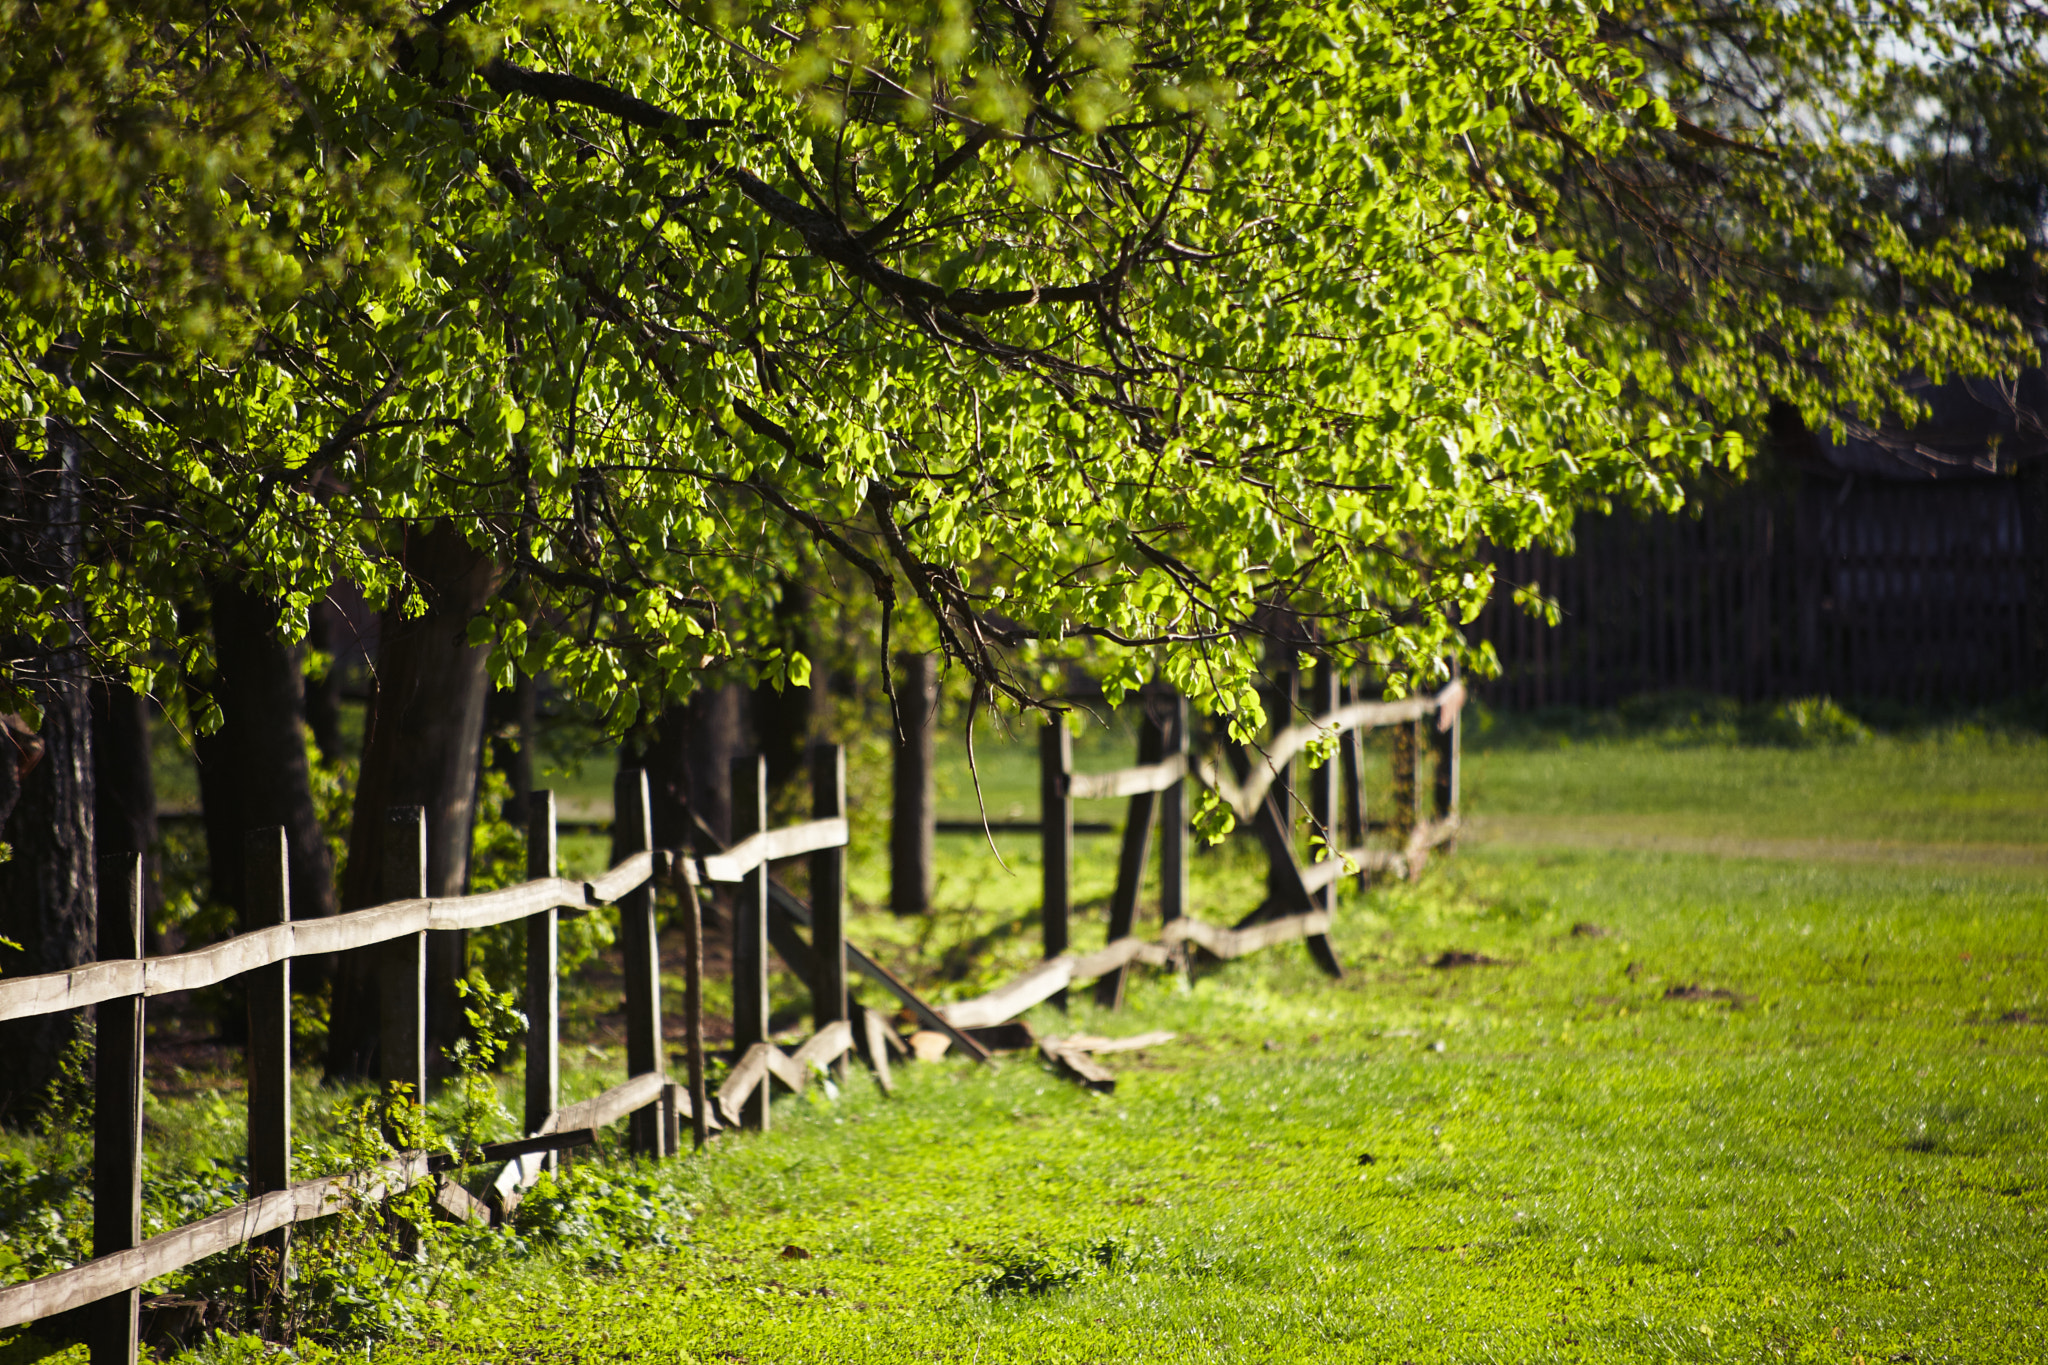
{"points": [[402, 982], [640, 949], [1078, 1066], [174, 1250], [112, 1321], [1135, 853], [1056, 835], [266, 857], [543, 969], [828, 895], [750, 938]]}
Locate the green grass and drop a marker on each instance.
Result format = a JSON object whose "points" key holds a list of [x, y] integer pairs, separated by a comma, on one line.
{"points": [[1845, 1157], [1566, 1165]]}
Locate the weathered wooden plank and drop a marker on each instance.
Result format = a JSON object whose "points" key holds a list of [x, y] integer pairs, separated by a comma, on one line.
{"points": [[117, 1111], [1316, 876], [458, 1205], [825, 1046], [521, 901], [1078, 1066], [1141, 780], [1089, 1042], [1231, 943], [629, 874], [122, 1270], [1173, 818], [783, 1068], [742, 1081], [494, 1152], [791, 841], [601, 1111], [873, 1041], [1244, 796], [1007, 1001]]}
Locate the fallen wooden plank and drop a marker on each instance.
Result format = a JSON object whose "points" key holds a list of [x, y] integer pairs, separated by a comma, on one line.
{"points": [[1231, 943], [874, 1039], [1079, 1066], [1011, 1036], [1013, 998], [1089, 1042], [121, 1271]]}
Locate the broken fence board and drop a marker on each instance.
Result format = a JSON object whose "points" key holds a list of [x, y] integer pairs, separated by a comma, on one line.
{"points": [[1092, 1043]]}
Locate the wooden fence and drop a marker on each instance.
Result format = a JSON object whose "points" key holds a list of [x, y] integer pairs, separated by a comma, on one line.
{"points": [[1299, 906], [1911, 592]]}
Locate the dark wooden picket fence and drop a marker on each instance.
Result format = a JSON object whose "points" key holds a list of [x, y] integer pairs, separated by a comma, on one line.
{"points": [[809, 936], [1911, 592]]}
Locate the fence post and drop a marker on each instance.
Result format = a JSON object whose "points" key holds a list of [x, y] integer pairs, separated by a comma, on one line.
{"points": [[693, 1011], [1056, 834], [750, 930], [402, 992], [1137, 848], [1355, 814], [266, 860], [1401, 820], [1323, 790], [913, 827], [1173, 821], [543, 971], [1449, 758], [828, 892], [117, 1111], [1282, 696], [633, 832]]}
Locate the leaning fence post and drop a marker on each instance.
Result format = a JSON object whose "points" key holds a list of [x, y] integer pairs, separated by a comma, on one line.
{"points": [[402, 993], [543, 971], [828, 892], [1137, 848], [1056, 834], [1173, 820], [266, 858], [1283, 695], [633, 832], [1323, 790], [117, 1111], [750, 930]]}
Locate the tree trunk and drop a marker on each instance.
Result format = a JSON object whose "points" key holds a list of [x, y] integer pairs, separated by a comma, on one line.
{"points": [[422, 745], [253, 771], [124, 805], [48, 890]]}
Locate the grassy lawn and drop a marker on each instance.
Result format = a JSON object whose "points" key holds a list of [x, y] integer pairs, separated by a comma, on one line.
{"points": [[1720, 1102]]}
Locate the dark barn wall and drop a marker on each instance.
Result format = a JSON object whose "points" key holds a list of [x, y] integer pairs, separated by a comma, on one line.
{"points": [[1909, 591]]}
